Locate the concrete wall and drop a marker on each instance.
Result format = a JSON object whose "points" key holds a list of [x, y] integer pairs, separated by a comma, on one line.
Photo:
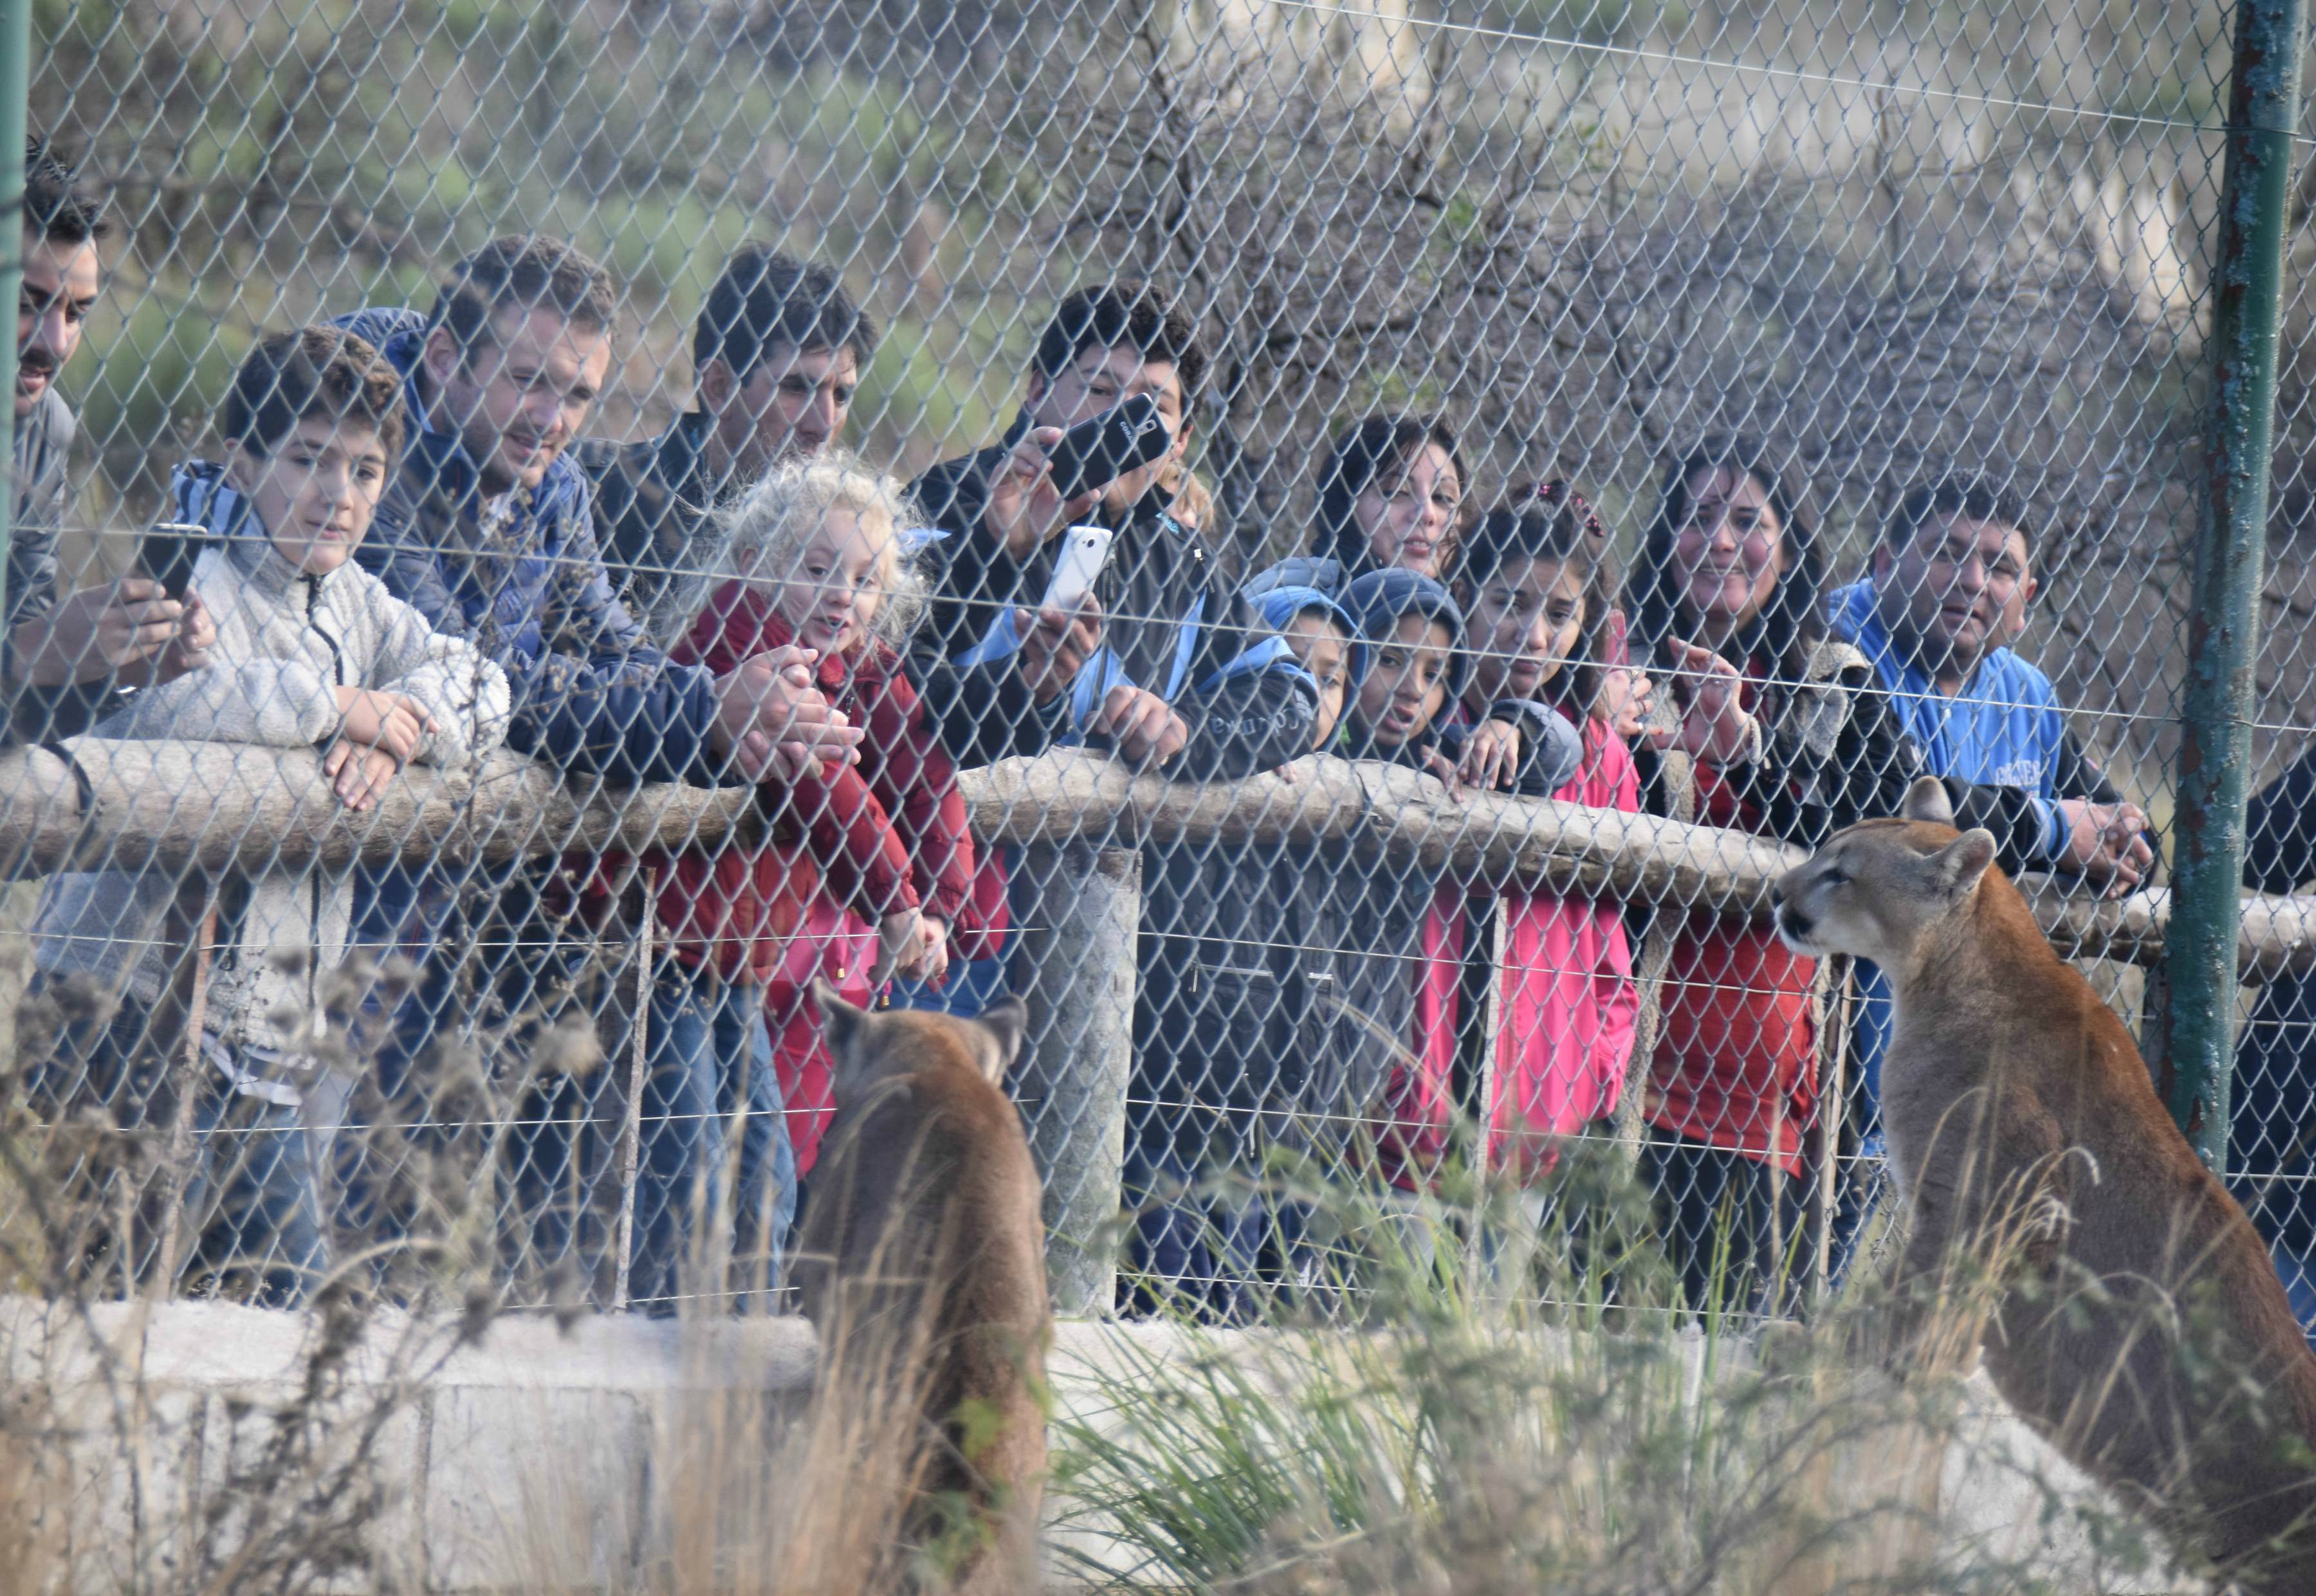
{"points": [[537, 1447]]}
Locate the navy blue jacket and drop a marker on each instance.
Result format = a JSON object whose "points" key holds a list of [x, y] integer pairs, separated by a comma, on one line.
{"points": [[519, 577]]}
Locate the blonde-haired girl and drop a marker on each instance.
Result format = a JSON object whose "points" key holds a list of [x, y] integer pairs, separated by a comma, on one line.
{"points": [[868, 870]]}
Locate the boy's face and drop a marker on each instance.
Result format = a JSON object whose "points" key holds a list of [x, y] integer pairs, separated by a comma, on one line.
{"points": [[1326, 654], [1407, 683], [316, 493]]}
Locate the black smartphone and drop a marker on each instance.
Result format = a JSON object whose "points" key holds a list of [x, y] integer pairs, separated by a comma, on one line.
{"points": [[1101, 448], [168, 552]]}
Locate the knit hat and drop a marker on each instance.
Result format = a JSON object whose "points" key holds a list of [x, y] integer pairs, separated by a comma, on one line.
{"points": [[1376, 600]]}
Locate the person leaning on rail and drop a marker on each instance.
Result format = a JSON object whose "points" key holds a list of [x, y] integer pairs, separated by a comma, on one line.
{"points": [[65, 656], [776, 356], [311, 651], [486, 529]]}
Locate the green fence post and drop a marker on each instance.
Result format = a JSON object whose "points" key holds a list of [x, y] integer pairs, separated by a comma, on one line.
{"points": [[16, 80], [2224, 616]]}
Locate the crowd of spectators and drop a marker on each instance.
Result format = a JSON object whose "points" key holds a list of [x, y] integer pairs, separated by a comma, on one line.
{"points": [[408, 551]]}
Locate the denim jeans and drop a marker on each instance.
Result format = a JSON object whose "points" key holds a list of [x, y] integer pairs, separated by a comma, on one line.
{"points": [[252, 1226], [708, 1058], [1210, 1256]]}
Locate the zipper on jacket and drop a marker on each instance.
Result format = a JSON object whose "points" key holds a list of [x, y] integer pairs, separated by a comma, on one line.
{"points": [[314, 874]]}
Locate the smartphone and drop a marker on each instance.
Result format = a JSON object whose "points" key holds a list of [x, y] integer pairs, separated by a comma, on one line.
{"points": [[1101, 448], [1085, 550], [168, 552]]}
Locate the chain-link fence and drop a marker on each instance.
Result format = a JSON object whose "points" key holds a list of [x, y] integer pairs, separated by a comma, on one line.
{"points": [[1621, 444]]}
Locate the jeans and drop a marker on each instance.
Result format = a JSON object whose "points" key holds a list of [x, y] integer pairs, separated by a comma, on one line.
{"points": [[708, 1058], [252, 1226], [1211, 1256], [1858, 1186], [1714, 1207]]}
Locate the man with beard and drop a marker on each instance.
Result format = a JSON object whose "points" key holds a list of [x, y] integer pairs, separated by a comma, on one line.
{"points": [[63, 656]]}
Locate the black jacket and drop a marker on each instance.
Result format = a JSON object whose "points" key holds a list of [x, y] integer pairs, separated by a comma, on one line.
{"points": [[2273, 1122], [1173, 624]]}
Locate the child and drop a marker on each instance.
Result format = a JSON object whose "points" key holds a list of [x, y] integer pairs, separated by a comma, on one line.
{"points": [[310, 650], [1243, 1043], [869, 871], [1568, 1003]]}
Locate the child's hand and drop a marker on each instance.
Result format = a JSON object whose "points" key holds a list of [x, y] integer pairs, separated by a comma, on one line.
{"points": [[189, 650], [900, 947], [1627, 700], [1437, 764], [1491, 756], [385, 720], [935, 932], [358, 775]]}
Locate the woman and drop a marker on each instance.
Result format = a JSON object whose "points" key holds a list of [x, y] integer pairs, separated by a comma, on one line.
{"points": [[1724, 599], [1391, 495]]}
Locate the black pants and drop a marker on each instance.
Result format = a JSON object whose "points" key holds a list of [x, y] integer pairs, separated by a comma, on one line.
{"points": [[1715, 1210]]}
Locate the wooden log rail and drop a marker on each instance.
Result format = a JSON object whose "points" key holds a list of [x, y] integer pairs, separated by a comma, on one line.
{"points": [[161, 804]]}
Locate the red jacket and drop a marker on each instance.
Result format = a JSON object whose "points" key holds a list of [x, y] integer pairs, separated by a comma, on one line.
{"points": [[887, 835], [1569, 1008], [1736, 1065]]}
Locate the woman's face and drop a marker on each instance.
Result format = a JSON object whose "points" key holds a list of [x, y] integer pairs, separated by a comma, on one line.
{"points": [[1525, 620], [1406, 515], [1728, 555]]}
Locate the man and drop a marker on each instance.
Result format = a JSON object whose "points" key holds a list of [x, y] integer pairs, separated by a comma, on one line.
{"points": [[486, 530], [1950, 581], [62, 657], [776, 356], [1131, 669]]}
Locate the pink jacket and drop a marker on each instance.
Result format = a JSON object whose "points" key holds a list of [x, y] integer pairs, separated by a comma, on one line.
{"points": [[1569, 1008]]}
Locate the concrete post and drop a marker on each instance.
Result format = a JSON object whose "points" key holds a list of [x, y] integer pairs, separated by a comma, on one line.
{"points": [[1078, 907]]}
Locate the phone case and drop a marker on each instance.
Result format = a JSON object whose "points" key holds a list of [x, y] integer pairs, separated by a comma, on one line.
{"points": [[1084, 551], [1101, 448]]}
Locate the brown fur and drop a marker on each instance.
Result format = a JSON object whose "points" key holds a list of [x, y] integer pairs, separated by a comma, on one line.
{"points": [[2140, 1323], [922, 1263]]}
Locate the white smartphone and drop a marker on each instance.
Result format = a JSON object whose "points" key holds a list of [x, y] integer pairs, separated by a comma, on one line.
{"points": [[1084, 551]]}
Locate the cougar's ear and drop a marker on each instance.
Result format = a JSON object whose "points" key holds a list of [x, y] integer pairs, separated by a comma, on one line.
{"points": [[1925, 799], [841, 1023], [1961, 863], [1003, 1024]]}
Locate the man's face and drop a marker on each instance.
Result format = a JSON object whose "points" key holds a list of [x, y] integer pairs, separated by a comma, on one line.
{"points": [[519, 399], [1100, 379], [1944, 595], [316, 493], [60, 285], [794, 402]]}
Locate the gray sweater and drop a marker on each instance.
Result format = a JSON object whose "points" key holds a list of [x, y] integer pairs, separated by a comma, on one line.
{"points": [[286, 642]]}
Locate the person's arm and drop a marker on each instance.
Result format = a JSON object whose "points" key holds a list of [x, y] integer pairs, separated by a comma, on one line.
{"points": [[596, 696], [269, 703], [466, 695], [854, 842], [2077, 775], [1252, 706], [917, 784], [2280, 829]]}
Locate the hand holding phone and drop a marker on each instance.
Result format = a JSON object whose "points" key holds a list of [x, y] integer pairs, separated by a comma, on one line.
{"points": [[1085, 550], [168, 552], [1101, 448]]}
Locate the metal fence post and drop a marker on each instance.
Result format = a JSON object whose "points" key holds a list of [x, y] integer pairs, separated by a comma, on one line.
{"points": [[1074, 967], [15, 78], [2223, 613]]}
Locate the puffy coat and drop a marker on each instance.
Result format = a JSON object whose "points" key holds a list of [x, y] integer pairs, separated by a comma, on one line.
{"points": [[1570, 1004], [286, 642], [845, 850]]}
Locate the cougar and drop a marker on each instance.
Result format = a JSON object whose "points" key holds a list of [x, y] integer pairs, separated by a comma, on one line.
{"points": [[921, 1265], [2137, 1321]]}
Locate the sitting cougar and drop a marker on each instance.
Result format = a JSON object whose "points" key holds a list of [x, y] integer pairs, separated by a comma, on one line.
{"points": [[921, 1264], [2140, 1324]]}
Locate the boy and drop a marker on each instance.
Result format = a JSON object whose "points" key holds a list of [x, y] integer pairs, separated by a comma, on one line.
{"points": [[310, 651], [1242, 1039]]}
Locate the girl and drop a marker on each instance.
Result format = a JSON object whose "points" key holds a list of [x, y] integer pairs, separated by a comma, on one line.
{"points": [[1391, 496], [1726, 593], [869, 871], [1529, 587]]}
